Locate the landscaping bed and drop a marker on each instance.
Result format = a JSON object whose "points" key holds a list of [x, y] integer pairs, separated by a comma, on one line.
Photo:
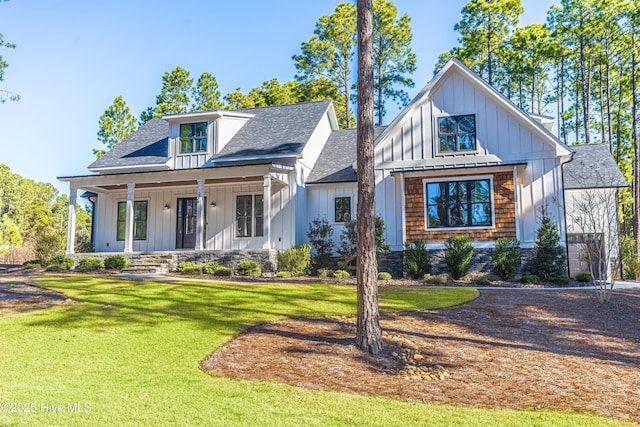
{"points": [[509, 348]]}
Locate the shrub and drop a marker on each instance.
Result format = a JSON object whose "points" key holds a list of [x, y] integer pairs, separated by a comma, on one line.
{"points": [[48, 245], [341, 274], [295, 260], [481, 279], [116, 262], [630, 265], [223, 271], [32, 262], [323, 273], [506, 258], [88, 264], [550, 257], [320, 236], [188, 267], [416, 259], [31, 265], [529, 278], [561, 280], [438, 279], [211, 267], [457, 256], [348, 242], [584, 277], [57, 267], [283, 274], [383, 275], [248, 268], [64, 261]]}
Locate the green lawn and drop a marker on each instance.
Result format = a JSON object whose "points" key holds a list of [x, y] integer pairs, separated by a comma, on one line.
{"points": [[130, 351]]}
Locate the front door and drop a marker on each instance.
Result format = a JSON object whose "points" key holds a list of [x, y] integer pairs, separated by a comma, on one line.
{"points": [[186, 227]]}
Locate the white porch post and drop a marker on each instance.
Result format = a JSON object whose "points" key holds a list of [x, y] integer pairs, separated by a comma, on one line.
{"points": [[71, 226], [200, 217], [128, 236], [266, 210]]}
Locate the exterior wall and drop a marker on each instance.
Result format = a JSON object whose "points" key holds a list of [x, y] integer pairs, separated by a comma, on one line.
{"points": [[221, 219], [321, 204], [190, 161], [504, 213]]}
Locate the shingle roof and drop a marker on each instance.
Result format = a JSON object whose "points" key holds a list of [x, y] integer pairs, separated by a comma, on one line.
{"points": [[592, 167], [337, 157], [278, 130], [146, 146], [281, 130]]}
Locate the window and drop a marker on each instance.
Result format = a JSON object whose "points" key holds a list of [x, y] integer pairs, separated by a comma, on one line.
{"points": [[249, 215], [139, 220], [458, 203], [343, 209], [457, 133], [193, 137]]}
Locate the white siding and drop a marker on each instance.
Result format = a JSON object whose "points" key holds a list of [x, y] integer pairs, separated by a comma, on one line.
{"points": [[321, 204]]}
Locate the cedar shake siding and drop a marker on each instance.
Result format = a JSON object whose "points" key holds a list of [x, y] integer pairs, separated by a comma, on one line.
{"points": [[503, 207]]}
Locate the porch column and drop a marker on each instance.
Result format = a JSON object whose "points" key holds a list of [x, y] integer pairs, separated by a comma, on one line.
{"points": [[266, 211], [200, 217], [128, 234], [71, 226]]}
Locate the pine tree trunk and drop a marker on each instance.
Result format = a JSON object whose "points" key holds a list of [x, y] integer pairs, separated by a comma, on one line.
{"points": [[609, 124], [636, 168], [602, 115], [347, 107], [368, 334]]}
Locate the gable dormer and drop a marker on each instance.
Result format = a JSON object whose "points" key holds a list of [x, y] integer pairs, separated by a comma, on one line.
{"points": [[195, 137]]}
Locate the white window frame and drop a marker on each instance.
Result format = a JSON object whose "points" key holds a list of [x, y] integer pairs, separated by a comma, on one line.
{"points": [[459, 179], [436, 136], [194, 153], [253, 215]]}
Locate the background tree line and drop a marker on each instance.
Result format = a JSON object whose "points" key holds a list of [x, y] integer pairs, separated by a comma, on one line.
{"points": [[580, 66]]}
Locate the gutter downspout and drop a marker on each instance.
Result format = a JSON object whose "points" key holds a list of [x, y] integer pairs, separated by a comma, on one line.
{"points": [[564, 209]]}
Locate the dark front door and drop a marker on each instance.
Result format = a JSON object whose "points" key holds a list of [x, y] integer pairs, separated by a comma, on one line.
{"points": [[186, 229]]}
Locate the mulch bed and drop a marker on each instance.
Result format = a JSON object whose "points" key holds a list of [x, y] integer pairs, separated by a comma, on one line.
{"points": [[509, 348], [17, 295]]}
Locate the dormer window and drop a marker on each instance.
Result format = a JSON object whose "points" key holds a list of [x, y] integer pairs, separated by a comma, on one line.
{"points": [[193, 137], [457, 133]]}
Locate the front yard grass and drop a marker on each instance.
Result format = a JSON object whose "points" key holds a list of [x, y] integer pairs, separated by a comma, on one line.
{"points": [[128, 353]]}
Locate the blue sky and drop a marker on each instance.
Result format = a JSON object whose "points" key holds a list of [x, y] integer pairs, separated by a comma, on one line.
{"points": [[74, 57]]}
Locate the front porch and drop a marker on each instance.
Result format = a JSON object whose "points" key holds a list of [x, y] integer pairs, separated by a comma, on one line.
{"points": [[196, 210]]}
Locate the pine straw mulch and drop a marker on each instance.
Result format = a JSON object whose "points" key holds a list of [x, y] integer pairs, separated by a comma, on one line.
{"points": [[18, 295], [509, 348]]}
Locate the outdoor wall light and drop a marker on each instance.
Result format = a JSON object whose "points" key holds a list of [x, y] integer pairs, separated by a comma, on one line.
{"points": [[167, 206], [212, 204]]}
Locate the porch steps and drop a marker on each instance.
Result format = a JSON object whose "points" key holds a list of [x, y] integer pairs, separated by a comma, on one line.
{"points": [[150, 264]]}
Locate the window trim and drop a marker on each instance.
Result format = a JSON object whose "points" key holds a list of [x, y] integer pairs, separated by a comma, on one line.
{"points": [[206, 139], [335, 209], [436, 141], [459, 179], [118, 221], [253, 215]]}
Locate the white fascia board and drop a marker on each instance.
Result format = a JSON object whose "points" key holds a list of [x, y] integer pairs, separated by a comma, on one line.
{"points": [[206, 115], [248, 158], [132, 168]]}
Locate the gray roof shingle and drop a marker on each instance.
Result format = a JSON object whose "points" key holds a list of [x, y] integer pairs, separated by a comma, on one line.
{"points": [[592, 167], [278, 130], [337, 157], [148, 145]]}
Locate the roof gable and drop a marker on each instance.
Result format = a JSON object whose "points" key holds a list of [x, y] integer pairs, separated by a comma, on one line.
{"points": [[420, 113]]}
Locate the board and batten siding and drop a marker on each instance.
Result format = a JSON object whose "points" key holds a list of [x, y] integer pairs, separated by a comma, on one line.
{"points": [[502, 137], [221, 219], [321, 205]]}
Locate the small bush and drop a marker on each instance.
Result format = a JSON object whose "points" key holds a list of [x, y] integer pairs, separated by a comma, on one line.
{"points": [[323, 273], [116, 262], [66, 262], [584, 277], [48, 244], [31, 265], [320, 236], [32, 262], [341, 274], [295, 260], [188, 267], [283, 274], [481, 279], [211, 267], [457, 256], [88, 264], [57, 267], [223, 271], [561, 280], [416, 259], [438, 279], [506, 258], [383, 275], [529, 278], [248, 268]]}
